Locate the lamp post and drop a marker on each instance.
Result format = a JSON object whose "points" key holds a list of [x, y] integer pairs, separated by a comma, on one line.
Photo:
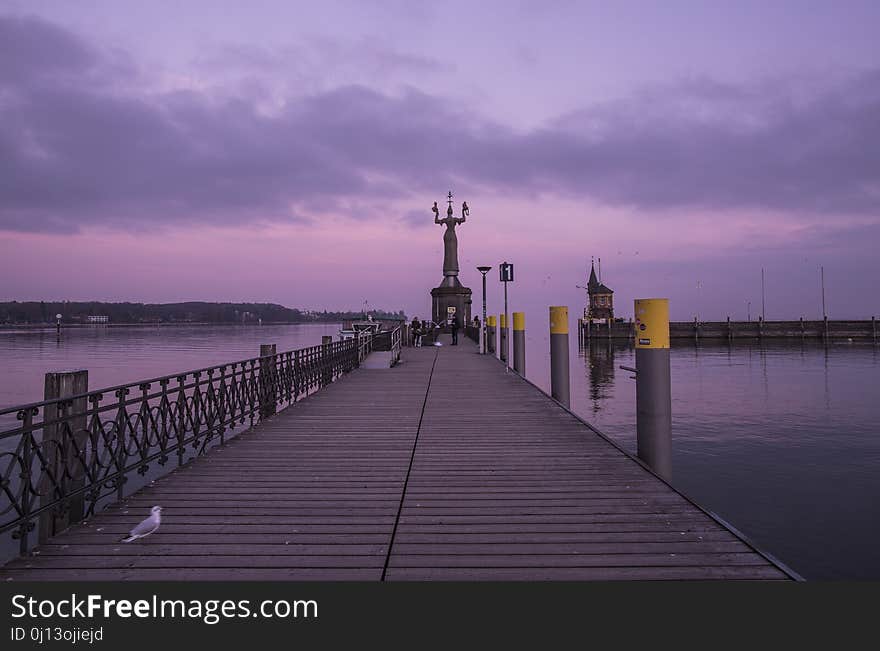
{"points": [[484, 271], [58, 324]]}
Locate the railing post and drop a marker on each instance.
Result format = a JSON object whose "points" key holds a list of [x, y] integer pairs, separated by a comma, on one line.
{"points": [[27, 477], [63, 446], [519, 342], [268, 388], [653, 393], [559, 373], [326, 360]]}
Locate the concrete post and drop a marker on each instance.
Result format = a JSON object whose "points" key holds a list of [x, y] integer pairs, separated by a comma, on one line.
{"points": [[653, 392], [268, 387], [490, 334], [503, 351], [559, 373], [519, 342], [64, 448]]}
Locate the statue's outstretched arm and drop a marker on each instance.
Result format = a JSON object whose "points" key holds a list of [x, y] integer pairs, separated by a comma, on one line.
{"points": [[436, 214]]}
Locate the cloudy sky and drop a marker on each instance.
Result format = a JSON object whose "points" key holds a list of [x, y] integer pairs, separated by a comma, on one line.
{"points": [[291, 151]]}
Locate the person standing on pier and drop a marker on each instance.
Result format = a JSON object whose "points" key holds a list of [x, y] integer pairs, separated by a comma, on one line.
{"points": [[417, 332], [456, 324]]}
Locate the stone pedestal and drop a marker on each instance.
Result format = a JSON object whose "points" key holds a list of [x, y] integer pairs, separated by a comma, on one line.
{"points": [[458, 297]]}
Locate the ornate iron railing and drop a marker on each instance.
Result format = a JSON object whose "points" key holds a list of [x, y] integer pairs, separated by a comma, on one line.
{"points": [[65, 456], [396, 344]]}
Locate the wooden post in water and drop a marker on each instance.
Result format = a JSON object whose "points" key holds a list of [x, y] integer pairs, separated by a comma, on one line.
{"points": [[268, 387], [64, 449], [874, 328]]}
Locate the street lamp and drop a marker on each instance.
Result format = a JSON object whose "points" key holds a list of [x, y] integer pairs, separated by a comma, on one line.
{"points": [[484, 271]]}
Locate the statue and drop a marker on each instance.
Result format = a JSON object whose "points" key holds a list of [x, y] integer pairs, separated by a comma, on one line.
{"points": [[450, 241], [450, 297]]}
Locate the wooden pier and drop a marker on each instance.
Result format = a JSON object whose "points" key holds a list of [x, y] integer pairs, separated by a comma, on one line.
{"points": [[444, 467]]}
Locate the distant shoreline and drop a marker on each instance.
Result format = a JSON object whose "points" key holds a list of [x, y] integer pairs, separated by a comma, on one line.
{"points": [[80, 326]]}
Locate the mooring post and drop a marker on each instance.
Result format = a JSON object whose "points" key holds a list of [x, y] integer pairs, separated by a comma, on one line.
{"points": [[268, 388], [559, 374], [760, 327], [653, 392], [874, 328], [64, 449], [803, 332], [826, 333], [503, 350], [490, 334], [519, 342], [729, 331]]}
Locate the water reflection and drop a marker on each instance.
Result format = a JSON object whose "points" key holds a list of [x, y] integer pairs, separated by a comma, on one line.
{"points": [[599, 364]]}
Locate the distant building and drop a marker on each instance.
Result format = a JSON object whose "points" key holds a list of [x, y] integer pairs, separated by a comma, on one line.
{"points": [[601, 298], [98, 318]]}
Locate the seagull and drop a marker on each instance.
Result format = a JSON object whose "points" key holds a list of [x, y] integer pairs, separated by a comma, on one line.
{"points": [[146, 527]]}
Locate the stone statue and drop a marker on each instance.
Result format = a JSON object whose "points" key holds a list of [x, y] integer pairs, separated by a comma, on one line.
{"points": [[450, 241], [450, 296]]}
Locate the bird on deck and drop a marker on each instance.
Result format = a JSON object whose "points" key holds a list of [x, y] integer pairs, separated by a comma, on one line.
{"points": [[146, 527]]}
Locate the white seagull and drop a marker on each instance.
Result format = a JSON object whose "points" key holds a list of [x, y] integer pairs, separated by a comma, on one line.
{"points": [[146, 527]]}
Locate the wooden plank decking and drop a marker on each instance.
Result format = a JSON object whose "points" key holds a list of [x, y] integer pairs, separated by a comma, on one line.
{"points": [[461, 470]]}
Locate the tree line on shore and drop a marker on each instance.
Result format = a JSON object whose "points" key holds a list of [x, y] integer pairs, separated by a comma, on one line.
{"points": [[36, 312]]}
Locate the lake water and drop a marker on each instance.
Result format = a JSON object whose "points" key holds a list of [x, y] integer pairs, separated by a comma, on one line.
{"points": [[780, 439]]}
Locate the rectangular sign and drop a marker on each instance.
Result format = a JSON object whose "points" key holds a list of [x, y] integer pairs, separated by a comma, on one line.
{"points": [[450, 310], [506, 270]]}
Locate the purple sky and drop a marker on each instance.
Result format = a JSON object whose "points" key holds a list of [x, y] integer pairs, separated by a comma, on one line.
{"points": [[290, 152]]}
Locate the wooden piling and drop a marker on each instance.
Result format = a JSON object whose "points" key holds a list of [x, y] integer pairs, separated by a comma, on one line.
{"points": [[63, 447]]}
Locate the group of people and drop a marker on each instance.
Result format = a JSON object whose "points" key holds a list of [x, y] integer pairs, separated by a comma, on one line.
{"points": [[421, 328]]}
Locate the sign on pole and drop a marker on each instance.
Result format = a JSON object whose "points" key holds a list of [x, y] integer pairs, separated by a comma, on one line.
{"points": [[506, 270]]}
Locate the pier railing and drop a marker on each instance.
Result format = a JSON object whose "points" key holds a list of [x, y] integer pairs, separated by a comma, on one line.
{"points": [[66, 455]]}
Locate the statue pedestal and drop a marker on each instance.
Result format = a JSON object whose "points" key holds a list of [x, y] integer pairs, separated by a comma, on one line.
{"points": [[444, 297]]}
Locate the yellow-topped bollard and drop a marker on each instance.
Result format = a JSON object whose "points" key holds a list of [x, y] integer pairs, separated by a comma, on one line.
{"points": [[490, 334], [652, 322], [559, 374], [653, 385], [519, 342]]}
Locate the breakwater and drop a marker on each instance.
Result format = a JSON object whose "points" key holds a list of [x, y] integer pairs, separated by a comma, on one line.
{"points": [[823, 330]]}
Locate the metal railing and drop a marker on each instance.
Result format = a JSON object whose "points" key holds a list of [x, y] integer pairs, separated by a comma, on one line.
{"points": [[67, 455], [396, 344]]}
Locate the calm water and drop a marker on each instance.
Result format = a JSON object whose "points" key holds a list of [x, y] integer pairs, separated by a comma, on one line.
{"points": [[780, 440]]}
